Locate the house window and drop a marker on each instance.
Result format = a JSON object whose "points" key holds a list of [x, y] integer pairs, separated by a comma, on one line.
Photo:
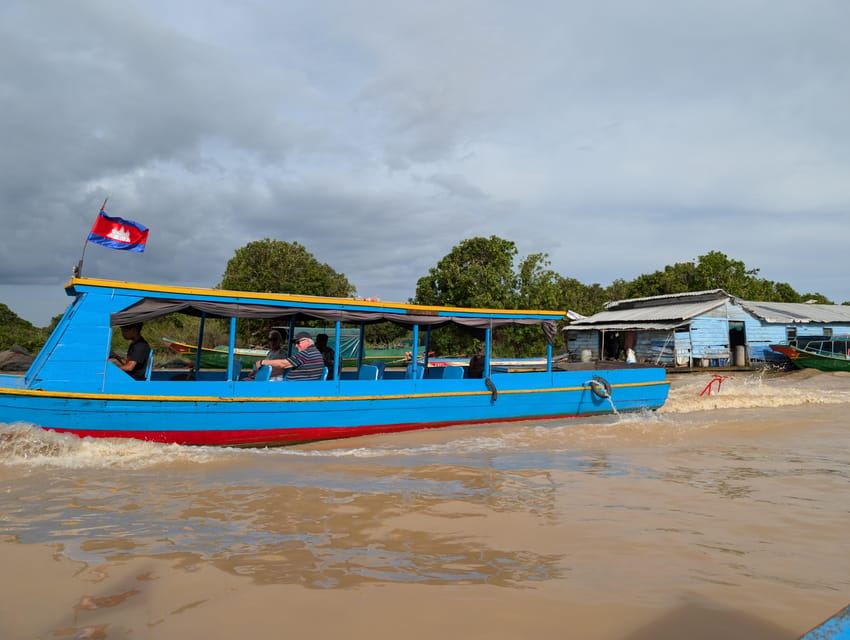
{"points": [[790, 333], [827, 331]]}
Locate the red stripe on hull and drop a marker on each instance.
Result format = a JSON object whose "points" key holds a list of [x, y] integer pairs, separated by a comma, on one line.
{"points": [[273, 437]]}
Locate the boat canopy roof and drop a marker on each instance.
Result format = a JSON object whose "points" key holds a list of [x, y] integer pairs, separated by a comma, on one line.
{"points": [[151, 308], [157, 301]]}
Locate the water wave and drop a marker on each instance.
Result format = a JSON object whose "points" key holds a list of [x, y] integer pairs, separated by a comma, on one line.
{"points": [[756, 390], [23, 444]]}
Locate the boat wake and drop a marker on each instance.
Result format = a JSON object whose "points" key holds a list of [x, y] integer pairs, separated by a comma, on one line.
{"points": [[30, 446], [689, 394]]}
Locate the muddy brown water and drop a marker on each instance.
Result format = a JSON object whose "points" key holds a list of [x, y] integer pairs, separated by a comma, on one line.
{"points": [[721, 516]]}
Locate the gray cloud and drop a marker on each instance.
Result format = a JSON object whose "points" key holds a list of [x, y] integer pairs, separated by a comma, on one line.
{"points": [[617, 137]]}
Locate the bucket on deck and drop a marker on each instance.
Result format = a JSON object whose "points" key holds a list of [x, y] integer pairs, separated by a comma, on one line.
{"points": [[586, 355], [740, 356]]}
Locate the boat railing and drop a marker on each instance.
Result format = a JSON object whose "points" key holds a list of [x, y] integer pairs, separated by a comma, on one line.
{"points": [[829, 348]]}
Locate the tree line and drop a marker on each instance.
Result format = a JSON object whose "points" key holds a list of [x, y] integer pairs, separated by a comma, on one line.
{"points": [[478, 272]]}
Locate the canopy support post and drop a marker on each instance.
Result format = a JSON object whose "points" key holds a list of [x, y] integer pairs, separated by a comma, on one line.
{"points": [[361, 348], [230, 349], [488, 343], [414, 352], [337, 372], [200, 340]]}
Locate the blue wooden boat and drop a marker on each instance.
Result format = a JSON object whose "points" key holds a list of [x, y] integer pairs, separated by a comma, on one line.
{"points": [[71, 386], [835, 628]]}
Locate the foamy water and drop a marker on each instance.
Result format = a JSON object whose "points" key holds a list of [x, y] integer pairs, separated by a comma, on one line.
{"points": [[756, 390]]}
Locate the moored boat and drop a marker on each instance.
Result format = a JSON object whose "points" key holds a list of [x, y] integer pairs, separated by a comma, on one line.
{"points": [[825, 353], [73, 387], [215, 358]]}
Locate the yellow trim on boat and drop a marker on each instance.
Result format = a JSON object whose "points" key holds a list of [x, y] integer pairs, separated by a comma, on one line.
{"points": [[287, 297], [154, 398]]}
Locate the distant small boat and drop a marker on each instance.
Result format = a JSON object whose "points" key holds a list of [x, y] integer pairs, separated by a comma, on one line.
{"points": [[500, 364], [825, 353], [215, 358]]}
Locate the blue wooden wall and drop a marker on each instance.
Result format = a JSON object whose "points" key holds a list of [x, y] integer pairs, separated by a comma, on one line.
{"points": [[706, 343]]}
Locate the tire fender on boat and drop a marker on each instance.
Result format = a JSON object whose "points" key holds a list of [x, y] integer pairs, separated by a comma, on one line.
{"points": [[494, 393], [600, 387]]}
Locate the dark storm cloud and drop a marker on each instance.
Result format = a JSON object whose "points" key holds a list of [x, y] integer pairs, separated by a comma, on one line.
{"points": [[618, 137]]}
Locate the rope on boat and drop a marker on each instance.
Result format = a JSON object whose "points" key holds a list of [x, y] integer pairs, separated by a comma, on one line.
{"points": [[719, 380]]}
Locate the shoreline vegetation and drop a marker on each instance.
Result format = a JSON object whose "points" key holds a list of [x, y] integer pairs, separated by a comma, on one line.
{"points": [[478, 272]]}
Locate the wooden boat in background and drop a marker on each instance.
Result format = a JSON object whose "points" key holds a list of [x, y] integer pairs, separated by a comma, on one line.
{"points": [[825, 353], [72, 387], [215, 358]]}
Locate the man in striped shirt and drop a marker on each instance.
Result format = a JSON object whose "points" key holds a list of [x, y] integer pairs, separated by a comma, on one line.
{"points": [[305, 364]]}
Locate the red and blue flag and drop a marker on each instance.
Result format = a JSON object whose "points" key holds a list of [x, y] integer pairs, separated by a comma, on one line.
{"points": [[118, 233]]}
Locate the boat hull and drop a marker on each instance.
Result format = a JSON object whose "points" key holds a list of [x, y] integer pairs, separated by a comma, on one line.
{"points": [[822, 360], [243, 413]]}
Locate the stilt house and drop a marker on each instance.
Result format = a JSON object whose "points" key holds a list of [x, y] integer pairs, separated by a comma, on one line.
{"points": [[700, 329]]}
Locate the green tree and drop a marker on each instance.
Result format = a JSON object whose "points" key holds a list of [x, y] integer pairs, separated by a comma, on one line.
{"points": [[17, 331], [476, 273], [479, 272], [537, 287], [714, 270], [276, 266]]}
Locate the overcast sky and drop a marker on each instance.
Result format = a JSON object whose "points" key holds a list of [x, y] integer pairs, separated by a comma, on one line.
{"points": [[616, 136]]}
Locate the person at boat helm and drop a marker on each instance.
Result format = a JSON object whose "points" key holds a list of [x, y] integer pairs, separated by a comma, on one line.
{"points": [[137, 353], [306, 364], [277, 350]]}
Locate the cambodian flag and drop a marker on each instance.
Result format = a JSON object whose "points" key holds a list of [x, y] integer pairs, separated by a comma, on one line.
{"points": [[117, 233]]}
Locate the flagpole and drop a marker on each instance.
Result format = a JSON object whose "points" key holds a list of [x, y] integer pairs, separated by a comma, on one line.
{"points": [[78, 268]]}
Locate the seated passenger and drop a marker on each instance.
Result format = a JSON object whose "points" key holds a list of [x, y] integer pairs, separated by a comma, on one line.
{"points": [[327, 353], [306, 364], [476, 365], [137, 353], [277, 350]]}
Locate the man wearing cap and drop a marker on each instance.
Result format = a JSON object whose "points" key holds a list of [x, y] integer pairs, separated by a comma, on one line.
{"points": [[306, 364]]}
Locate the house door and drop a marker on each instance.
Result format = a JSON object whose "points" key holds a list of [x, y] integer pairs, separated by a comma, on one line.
{"points": [[738, 342]]}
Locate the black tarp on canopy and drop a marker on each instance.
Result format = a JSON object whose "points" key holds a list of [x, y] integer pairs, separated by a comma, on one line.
{"points": [[152, 308]]}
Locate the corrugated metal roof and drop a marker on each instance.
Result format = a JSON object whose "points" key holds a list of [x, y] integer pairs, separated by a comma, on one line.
{"points": [[674, 298], [662, 313], [671, 311], [630, 326], [791, 312]]}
